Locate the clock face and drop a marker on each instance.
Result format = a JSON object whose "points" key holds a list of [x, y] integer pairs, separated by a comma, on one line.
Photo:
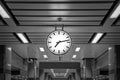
{"points": [[59, 42]]}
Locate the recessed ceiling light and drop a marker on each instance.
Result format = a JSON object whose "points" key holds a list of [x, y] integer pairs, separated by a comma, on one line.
{"points": [[97, 37], [66, 72], [22, 37], [77, 49], [9, 48], [116, 13], [109, 48], [45, 56], [3, 13], [52, 70], [42, 49], [74, 56]]}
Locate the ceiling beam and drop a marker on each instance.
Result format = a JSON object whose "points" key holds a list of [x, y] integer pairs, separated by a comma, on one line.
{"points": [[51, 28]]}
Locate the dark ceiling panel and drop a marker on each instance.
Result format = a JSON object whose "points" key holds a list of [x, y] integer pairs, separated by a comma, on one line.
{"points": [[59, 65], [38, 13], [38, 39], [117, 22], [80, 39], [56, 0], [65, 23], [2, 22], [60, 70], [111, 38], [56, 18], [41, 6], [8, 38]]}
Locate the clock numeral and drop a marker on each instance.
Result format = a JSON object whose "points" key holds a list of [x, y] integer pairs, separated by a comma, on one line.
{"points": [[59, 32], [53, 50], [63, 50], [50, 47], [49, 42], [67, 47], [58, 51], [68, 42], [67, 36], [54, 33], [50, 37]]}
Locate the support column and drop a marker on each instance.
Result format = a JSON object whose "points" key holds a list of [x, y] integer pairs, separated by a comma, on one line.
{"points": [[2, 59], [117, 51], [45, 76], [8, 59], [41, 72], [73, 76], [5, 62], [78, 73], [87, 66], [111, 62]]}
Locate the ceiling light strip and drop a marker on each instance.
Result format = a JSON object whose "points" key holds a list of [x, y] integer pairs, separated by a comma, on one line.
{"points": [[22, 37], [66, 72], [116, 13], [52, 70], [97, 37], [3, 13]]}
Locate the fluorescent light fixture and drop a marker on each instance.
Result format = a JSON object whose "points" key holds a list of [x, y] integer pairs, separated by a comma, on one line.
{"points": [[109, 48], [66, 72], [52, 70], [74, 56], [45, 56], [42, 49], [116, 13], [3, 13], [22, 37], [77, 49], [97, 37]]}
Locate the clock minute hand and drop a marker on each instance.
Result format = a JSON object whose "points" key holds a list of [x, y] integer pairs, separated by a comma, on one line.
{"points": [[64, 40]]}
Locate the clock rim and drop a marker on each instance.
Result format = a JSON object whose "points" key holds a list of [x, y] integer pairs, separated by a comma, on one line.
{"points": [[64, 52]]}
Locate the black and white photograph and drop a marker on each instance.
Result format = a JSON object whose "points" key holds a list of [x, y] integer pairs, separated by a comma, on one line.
{"points": [[59, 39]]}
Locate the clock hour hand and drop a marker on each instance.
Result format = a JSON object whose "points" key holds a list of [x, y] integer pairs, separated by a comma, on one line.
{"points": [[57, 43], [60, 42]]}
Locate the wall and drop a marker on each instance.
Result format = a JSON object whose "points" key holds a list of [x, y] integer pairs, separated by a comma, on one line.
{"points": [[19, 63], [102, 60]]}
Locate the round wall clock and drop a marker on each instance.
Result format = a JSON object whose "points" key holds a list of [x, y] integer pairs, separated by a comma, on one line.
{"points": [[59, 42]]}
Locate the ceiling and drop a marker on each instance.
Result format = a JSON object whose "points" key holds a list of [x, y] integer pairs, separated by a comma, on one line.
{"points": [[37, 18], [81, 18]]}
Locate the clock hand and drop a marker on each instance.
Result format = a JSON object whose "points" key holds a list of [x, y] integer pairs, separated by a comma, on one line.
{"points": [[60, 42], [64, 40], [57, 43]]}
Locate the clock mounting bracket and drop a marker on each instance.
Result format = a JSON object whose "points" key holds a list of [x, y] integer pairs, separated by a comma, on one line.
{"points": [[59, 27]]}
